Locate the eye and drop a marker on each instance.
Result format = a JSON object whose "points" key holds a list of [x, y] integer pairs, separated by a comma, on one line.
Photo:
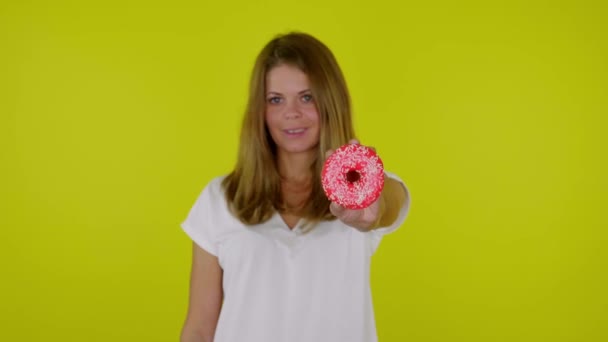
{"points": [[307, 98], [274, 100]]}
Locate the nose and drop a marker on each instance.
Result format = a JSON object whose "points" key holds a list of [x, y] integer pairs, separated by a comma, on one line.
{"points": [[292, 110]]}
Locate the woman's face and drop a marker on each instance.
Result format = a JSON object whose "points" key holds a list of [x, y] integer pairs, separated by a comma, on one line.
{"points": [[291, 114]]}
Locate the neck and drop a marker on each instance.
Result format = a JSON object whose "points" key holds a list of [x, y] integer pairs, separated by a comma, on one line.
{"points": [[295, 167]]}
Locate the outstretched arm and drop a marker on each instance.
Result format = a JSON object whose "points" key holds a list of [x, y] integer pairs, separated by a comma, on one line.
{"points": [[382, 213]]}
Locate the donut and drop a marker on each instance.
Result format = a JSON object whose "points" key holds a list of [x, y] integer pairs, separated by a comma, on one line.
{"points": [[353, 176]]}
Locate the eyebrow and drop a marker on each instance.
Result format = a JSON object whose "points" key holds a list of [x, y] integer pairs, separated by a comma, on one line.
{"points": [[277, 93]]}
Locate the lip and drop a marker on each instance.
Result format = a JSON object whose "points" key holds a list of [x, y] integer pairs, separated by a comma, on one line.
{"points": [[301, 131]]}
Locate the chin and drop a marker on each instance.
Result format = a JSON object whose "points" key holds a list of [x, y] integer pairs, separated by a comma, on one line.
{"points": [[299, 148]]}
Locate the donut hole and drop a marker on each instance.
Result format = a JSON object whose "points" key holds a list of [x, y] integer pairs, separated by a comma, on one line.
{"points": [[353, 176]]}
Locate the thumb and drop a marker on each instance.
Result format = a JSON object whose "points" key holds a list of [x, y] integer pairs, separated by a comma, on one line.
{"points": [[336, 209]]}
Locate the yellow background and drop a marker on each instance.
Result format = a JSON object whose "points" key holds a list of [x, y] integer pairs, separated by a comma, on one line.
{"points": [[114, 115]]}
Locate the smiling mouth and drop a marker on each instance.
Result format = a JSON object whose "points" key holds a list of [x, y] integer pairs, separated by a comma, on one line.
{"points": [[295, 131]]}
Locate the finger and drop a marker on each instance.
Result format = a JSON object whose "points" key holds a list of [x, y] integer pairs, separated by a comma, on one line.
{"points": [[336, 209], [328, 153], [354, 141]]}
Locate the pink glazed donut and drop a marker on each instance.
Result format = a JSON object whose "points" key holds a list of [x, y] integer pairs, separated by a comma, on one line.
{"points": [[353, 176]]}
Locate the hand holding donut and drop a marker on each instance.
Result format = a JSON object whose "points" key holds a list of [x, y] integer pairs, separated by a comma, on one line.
{"points": [[353, 179]]}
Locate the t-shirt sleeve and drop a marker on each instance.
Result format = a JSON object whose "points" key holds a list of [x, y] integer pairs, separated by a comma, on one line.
{"points": [[198, 224], [377, 234]]}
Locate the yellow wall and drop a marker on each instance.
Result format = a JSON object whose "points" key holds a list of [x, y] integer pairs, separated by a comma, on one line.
{"points": [[113, 117]]}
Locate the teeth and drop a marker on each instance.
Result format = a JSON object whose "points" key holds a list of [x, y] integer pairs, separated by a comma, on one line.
{"points": [[295, 131]]}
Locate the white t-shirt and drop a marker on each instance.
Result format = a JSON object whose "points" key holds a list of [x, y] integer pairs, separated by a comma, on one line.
{"points": [[281, 285]]}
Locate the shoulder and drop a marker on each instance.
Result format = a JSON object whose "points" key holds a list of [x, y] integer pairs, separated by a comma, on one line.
{"points": [[211, 197], [396, 178], [210, 201], [405, 189], [214, 186], [392, 175], [201, 223]]}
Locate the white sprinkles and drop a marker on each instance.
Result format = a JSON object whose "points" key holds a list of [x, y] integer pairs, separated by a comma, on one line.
{"points": [[361, 193]]}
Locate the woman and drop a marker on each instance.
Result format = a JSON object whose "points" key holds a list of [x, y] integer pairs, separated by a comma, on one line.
{"points": [[273, 259]]}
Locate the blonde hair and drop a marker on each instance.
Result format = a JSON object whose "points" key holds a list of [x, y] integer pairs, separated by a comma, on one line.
{"points": [[253, 188]]}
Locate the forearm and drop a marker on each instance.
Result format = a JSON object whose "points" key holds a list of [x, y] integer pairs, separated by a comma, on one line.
{"points": [[193, 334], [391, 200], [198, 329]]}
